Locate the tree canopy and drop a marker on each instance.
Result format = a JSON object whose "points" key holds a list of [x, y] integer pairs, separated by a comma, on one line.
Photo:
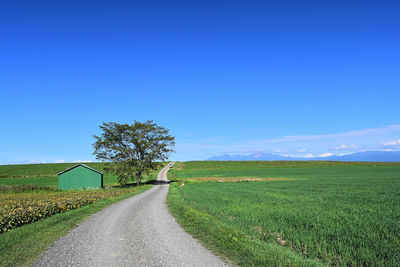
{"points": [[136, 149]]}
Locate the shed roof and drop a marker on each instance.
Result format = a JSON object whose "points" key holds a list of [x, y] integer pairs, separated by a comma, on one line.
{"points": [[77, 165]]}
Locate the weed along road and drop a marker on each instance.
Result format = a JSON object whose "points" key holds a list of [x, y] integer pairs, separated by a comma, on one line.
{"points": [[138, 231]]}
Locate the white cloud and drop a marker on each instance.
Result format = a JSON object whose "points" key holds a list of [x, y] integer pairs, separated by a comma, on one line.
{"points": [[78, 161], [338, 136], [302, 150], [324, 155], [36, 161], [309, 155], [351, 141], [279, 150], [60, 161], [343, 146], [392, 143]]}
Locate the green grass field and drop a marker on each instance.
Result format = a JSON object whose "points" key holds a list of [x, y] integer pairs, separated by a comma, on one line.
{"points": [[294, 213]]}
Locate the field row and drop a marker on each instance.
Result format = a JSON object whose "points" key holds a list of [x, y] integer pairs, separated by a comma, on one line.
{"points": [[17, 209], [42, 170]]}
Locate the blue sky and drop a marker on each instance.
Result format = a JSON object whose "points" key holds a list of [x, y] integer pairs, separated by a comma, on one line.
{"points": [[285, 77]]}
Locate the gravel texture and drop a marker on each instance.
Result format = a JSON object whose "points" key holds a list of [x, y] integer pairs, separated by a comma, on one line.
{"points": [[138, 231]]}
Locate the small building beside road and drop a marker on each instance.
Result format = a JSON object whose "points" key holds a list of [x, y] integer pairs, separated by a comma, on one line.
{"points": [[80, 176]]}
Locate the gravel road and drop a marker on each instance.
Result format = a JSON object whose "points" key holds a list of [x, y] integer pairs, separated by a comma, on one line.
{"points": [[138, 231]]}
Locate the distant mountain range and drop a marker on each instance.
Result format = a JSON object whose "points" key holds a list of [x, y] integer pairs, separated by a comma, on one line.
{"points": [[373, 156]]}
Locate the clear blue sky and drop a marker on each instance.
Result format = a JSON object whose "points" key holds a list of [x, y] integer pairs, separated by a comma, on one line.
{"points": [[223, 76]]}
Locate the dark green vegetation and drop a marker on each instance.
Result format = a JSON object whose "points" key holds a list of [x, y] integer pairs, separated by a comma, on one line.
{"points": [[135, 149], [25, 188], [330, 213], [42, 170], [22, 245]]}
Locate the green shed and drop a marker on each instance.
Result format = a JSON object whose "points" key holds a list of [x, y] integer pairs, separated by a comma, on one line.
{"points": [[80, 176]]}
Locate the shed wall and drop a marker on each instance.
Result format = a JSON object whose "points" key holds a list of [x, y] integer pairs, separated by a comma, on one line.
{"points": [[79, 177]]}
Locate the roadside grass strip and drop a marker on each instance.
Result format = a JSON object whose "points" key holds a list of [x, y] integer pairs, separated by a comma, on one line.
{"points": [[335, 215], [23, 244]]}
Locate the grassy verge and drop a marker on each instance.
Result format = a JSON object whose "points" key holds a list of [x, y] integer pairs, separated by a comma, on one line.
{"points": [[23, 244]]}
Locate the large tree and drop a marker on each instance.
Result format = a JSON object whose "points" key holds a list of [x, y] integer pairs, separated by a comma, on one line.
{"points": [[135, 149]]}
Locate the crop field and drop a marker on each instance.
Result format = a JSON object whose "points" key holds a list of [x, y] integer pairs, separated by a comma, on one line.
{"points": [[291, 213], [21, 208]]}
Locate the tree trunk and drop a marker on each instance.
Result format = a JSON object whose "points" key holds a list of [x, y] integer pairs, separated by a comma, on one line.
{"points": [[138, 178]]}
